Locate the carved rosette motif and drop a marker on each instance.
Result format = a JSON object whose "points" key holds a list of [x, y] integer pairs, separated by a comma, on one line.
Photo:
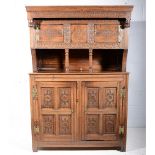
{"points": [[92, 124], [47, 98], [65, 124], [109, 123], [65, 97], [49, 124], [93, 97], [110, 97]]}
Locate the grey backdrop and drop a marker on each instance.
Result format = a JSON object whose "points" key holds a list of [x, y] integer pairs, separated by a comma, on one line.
{"points": [[136, 67]]}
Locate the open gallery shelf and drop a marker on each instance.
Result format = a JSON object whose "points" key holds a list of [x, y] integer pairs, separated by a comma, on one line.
{"points": [[79, 60]]}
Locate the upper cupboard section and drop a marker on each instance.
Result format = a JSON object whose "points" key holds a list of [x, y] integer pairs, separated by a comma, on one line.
{"points": [[77, 27], [98, 34]]}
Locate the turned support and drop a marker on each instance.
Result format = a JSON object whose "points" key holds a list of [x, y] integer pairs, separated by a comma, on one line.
{"points": [[90, 60], [66, 60]]}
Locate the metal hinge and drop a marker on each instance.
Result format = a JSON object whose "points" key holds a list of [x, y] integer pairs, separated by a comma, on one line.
{"points": [[121, 130], [34, 92], [36, 127], [122, 92]]}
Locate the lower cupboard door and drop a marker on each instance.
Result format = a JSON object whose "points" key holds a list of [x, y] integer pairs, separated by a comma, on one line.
{"points": [[56, 110], [100, 111]]}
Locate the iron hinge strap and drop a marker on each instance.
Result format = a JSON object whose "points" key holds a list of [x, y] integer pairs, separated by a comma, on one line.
{"points": [[34, 92], [36, 127], [123, 92], [121, 130]]}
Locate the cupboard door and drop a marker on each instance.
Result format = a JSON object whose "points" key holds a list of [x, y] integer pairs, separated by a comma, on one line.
{"points": [[57, 111], [100, 110]]}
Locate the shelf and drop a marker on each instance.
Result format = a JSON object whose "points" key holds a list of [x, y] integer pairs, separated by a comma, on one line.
{"points": [[79, 60], [50, 60], [107, 60]]}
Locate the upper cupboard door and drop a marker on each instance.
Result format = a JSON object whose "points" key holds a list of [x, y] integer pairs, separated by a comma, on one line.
{"points": [[100, 106], [99, 34], [57, 110]]}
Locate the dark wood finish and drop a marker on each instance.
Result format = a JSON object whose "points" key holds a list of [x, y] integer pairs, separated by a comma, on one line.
{"points": [[79, 84]]}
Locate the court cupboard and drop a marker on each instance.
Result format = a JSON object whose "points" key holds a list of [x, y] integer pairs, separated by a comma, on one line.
{"points": [[79, 84]]}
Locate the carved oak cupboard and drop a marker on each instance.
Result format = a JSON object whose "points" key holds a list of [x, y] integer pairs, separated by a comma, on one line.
{"points": [[79, 84]]}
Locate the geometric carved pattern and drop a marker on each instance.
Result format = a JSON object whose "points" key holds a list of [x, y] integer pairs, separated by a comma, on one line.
{"points": [[65, 124], [41, 44], [109, 124], [49, 124], [47, 98], [92, 124], [65, 97], [93, 97], [110, 97]]}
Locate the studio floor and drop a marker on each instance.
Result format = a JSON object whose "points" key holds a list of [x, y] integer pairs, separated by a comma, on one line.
{"points": [[136, 143]]}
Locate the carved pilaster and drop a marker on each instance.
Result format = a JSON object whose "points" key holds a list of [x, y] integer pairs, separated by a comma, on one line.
{"points": [[67, 60], [90, 60], [90, 33], [67, 36]]}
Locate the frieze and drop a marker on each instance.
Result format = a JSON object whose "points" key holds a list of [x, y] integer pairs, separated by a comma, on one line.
{"points": [[48, 45]]}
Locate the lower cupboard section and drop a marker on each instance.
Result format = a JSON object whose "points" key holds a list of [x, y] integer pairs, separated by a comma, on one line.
{"points": [[74, 113]]}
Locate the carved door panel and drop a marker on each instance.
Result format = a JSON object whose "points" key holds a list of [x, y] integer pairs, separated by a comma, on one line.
{"points": [[100, 110], [57, 111]]}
